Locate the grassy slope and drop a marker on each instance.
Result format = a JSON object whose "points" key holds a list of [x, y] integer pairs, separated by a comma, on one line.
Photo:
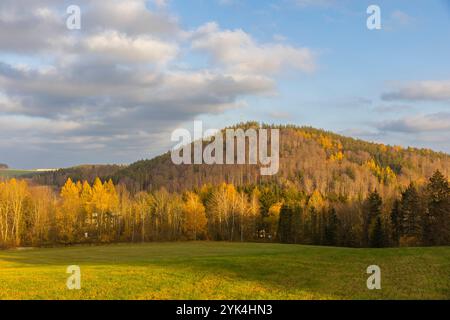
{"points": [[13, 173], [207, 270]]}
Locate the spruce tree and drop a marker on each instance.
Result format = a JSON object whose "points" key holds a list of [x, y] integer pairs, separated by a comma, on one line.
{"points": [[411, 214], [285, 224], [372, 210], [396, 220], [377, 238], [437, 218], [331, 228]]}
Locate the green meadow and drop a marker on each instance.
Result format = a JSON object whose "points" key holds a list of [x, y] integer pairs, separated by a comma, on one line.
{"points": [[221, 270], [14, 173]]}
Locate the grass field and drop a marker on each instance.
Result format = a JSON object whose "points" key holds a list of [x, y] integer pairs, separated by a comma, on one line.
{"points": [[13, 173], [214, 270]]}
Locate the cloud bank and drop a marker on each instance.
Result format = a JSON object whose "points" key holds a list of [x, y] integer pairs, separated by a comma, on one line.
{"points": [[123, 82]]}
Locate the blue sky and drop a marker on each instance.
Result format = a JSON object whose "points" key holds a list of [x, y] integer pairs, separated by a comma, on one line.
{"points": [[355, 65], [113, 91]]}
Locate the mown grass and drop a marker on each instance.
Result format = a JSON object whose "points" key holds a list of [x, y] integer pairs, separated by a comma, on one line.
{"points": [[218, 270]]}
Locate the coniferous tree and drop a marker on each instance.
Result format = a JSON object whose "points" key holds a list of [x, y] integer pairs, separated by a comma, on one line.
{"points": [[285, 224], [396, 220], [377, 237], [331, 228], [411, 213], [437, 217], [372, 210]]}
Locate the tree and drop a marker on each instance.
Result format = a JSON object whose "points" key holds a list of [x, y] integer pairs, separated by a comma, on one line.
{"points": [[437, 218], [331, 228], [195, 221], [253, 216], [222, 210], [87, 210], [68, 215], [42, 207], [272, 219], [13, 194], [285, 224], [377, 238], [396, 221], [372, 211], [144, 205], [410, 211]]}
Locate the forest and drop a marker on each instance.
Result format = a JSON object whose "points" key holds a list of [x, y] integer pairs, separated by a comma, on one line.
{"points": [[331, 190], [103, 213]]}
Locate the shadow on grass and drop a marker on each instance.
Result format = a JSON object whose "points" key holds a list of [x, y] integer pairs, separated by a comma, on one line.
{"points": [[290, 270]]}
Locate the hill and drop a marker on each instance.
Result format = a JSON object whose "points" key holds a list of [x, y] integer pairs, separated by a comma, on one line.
{"points": [[330, 190], [310, 159]]}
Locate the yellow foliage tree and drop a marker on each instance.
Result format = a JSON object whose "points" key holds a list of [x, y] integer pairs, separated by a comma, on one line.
{"points": [[316, 200], [194, 217], [68, 215], [273, 218], [326, 142], [13, 195], [339, 156]]}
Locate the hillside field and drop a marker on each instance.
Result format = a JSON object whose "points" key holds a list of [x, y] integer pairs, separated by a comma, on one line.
{"points": [[14, 173], [220, 270]]}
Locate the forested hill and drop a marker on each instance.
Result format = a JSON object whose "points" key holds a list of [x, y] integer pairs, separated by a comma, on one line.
{"points": [[330, 190], [310, 159]]}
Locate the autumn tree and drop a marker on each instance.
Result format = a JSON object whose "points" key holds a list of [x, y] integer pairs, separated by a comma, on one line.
{"points": [[195, 222], [13, 194], [68, 215], [41, 217], [146, 211], [271, 221]]}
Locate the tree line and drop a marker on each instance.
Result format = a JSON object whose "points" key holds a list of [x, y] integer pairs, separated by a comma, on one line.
{"points": [[102, 212]]}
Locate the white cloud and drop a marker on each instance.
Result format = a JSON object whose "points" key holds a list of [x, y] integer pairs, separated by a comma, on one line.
{"points": [[118, 47], [236, 50], [132, 17], [121, 83], [33, 124]]}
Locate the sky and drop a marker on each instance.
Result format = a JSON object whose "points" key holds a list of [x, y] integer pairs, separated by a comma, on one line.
{"points": [[114, 90]]}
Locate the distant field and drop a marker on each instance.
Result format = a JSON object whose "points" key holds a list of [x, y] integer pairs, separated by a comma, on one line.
{"points": [[13, 173], [214, 270]]}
